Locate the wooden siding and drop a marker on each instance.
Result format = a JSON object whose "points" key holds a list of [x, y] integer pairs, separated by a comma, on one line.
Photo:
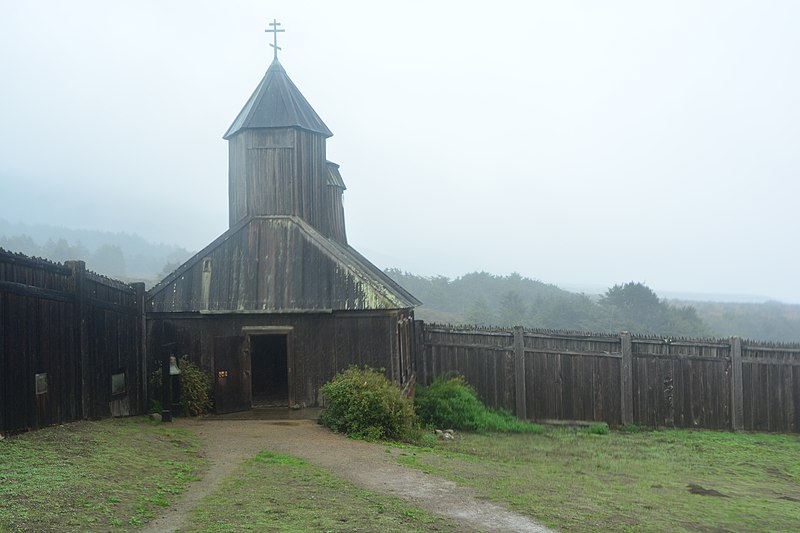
{"points": [[335, 214], [573, 377], [682, 383], [76, 327], [321, 344], [770, 387], [484, 358], [619, 379], [279, 171], [277, 264]]}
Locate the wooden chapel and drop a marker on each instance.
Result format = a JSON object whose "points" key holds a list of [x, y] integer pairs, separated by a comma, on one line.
{"points": [[280, 302]]}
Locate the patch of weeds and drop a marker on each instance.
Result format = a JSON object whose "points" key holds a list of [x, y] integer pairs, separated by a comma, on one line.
{"points": [[631, 428]]}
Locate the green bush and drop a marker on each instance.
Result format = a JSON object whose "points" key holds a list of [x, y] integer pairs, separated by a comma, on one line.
{"points": [[196, 388], [451, 403], [365, 404]]}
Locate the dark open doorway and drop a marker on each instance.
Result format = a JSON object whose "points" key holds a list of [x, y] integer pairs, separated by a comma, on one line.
{"points": [[270, 370]]}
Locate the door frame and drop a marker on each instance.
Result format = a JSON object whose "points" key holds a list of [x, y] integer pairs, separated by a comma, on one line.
{"points": [[288, 331]]}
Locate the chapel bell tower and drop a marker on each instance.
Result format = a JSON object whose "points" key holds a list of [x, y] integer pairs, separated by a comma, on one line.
{"points": [[276, 157]]}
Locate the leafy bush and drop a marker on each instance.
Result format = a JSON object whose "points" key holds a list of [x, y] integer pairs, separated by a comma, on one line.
{"points": [[450, 402], [365, 404], [196, 388]]}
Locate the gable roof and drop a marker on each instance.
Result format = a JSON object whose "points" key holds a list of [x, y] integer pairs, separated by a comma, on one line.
{"points": [[277, 264], [277, 103]]}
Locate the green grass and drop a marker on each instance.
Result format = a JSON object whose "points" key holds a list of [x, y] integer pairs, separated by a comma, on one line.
{"points": [[112, 475], [577, 480], [273, 492]]}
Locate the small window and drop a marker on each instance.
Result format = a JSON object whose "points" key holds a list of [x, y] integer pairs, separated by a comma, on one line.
{"points": [[41, 383], [117, 384]]}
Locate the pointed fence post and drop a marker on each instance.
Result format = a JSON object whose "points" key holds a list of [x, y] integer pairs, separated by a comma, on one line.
{"points": [[81, 309], [519, 372], [141, 349], [737, 389], [421, 355], [626, 378]]}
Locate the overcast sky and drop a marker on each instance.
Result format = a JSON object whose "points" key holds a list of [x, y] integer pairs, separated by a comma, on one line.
{"points": [[585, 143]]}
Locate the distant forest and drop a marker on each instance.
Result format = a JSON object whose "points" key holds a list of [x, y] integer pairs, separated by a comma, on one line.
{"points": [[123, 256], [477, 298], [488, 300]]}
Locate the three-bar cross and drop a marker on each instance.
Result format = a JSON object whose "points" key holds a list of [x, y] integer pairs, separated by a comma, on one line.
{"points": [[274, 31]]}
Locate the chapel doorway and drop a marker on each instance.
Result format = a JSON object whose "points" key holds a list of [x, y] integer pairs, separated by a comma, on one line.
{"points": [[269, 363]]}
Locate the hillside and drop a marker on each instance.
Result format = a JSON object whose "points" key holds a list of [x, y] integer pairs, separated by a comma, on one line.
{"points": [[772, 321], [477, 298], [484, 299], [124, 256]]}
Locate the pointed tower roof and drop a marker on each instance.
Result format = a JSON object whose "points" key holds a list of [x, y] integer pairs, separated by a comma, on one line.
{"points": [[277, 103]]}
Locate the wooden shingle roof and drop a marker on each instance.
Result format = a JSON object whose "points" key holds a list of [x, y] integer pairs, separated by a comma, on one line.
{"points": [[277, 103], [334, 177]]}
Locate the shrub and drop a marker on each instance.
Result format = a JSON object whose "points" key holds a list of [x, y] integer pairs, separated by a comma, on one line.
{"points": [[365, 404], [451, 403], [196, 388]]}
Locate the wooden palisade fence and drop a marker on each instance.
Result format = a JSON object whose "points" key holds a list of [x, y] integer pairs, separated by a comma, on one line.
{"points": [[71, 344], [621, 379]]}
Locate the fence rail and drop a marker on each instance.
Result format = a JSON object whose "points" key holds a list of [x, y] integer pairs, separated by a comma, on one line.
{"points": [[621, 379]]}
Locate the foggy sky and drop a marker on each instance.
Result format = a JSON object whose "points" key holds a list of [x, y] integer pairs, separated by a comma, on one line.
{"points": [[586, 143]]}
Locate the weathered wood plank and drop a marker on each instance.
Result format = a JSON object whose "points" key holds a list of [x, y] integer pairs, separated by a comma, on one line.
{"points": [[519, 373], [626, 379], [737, 388]]}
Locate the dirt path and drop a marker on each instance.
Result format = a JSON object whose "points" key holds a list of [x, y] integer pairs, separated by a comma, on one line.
{"points": [[229, 442]]}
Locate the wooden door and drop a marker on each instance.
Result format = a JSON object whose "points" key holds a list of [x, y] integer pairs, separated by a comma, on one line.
{"points": [[232, 387]]}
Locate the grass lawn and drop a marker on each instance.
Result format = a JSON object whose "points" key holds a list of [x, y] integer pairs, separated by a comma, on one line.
{"points": [[111, 475], [274, 492], [669, 480]]}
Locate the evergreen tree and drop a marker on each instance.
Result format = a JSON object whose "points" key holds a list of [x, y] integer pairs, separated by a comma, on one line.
{"points": [[512, 310]]}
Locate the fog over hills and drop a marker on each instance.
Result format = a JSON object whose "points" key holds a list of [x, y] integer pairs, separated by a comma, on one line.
{"points": [[473, 298], [589, 143], [125, 256]]}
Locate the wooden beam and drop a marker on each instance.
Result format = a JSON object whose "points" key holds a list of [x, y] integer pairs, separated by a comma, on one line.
{"points": [[421, 353], [34, 292], [519, 372], [626, 378], [141, 337], [737, 389], [78, 269]]}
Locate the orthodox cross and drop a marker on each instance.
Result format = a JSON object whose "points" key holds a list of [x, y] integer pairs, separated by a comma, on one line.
{"points": [[274, 31]]}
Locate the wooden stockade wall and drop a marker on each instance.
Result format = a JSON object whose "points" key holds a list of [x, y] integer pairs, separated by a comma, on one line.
{"points": [[65, 333], [621, 379]]}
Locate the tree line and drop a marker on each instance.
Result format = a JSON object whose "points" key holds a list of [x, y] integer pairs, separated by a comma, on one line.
{"points": [[485, 299], [123, 256]]}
